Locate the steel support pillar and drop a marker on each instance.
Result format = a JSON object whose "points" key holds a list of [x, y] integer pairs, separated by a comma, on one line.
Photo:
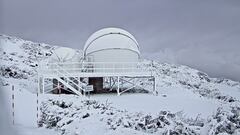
{"points": [[118, 83]]}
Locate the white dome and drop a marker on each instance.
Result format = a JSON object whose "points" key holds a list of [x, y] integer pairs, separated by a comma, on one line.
{"points": [[64, 54], [111, 38]]}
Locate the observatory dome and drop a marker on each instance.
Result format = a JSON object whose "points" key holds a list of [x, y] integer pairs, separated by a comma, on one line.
{"points": [[111, 38]]}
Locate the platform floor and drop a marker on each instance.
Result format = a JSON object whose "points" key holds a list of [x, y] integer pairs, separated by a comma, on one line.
{"points": [[95, 74]]}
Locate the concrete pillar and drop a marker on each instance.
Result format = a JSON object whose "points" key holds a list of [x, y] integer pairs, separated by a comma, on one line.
{"points": [[97, 83]]}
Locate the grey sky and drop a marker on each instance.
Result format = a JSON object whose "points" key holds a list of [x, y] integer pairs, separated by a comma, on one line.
{"points": [[203, 34]]}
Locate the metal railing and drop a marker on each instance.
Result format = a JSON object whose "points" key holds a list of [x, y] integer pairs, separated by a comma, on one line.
{"points": [[94, 67]]}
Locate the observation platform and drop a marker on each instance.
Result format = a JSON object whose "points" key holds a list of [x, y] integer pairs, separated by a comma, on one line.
{"points": [[70, 73], [94, 69]]}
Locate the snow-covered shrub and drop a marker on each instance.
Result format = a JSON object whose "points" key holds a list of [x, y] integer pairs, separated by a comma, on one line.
{"points": [[60, 114], [225, 121]]}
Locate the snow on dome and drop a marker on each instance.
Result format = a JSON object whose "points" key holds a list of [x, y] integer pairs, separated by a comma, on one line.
{"points": [[64, 54], [111, 38]]}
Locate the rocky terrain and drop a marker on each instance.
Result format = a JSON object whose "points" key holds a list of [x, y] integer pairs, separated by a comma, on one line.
{"points": [[19, 61]]}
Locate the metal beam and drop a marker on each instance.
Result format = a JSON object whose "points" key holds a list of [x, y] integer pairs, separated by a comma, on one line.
{"points": [[114, 83]]}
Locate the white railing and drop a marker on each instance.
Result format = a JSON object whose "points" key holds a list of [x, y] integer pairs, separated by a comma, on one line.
{"points": [[93, 67]]}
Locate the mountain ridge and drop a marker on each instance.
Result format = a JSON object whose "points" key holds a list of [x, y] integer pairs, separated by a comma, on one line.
{"points": [[26, 54], [182, 93]]}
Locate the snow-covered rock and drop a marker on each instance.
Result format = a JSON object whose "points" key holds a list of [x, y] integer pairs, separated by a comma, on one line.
{"points": [[19, 59]]}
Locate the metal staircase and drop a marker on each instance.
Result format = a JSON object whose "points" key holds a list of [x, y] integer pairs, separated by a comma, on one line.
{"points": [[69, 86], [75, 85]]}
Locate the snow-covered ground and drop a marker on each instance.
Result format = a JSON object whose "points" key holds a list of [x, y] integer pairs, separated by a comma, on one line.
{"points": [[188, 101], [174, 100]]}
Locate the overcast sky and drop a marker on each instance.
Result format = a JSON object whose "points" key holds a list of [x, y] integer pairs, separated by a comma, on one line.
{"points": [[203, 34]]}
